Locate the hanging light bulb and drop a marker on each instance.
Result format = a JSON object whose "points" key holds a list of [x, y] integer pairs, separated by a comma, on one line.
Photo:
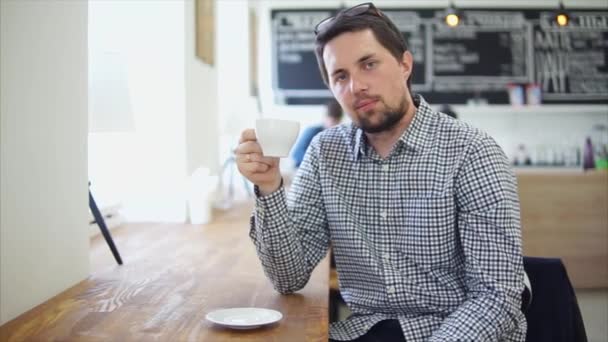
{"points": [[562, 18], [452, 19]]}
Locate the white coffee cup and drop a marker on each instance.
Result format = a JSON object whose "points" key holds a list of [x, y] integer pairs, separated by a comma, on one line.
{"points": [[276, 136]]}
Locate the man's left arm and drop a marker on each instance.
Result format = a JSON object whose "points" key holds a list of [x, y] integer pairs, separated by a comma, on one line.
{"points": [[490, 235]]}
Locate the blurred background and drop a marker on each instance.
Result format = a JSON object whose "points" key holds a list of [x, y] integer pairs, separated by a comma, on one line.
{"points": [[146, 100], [538, 89]]}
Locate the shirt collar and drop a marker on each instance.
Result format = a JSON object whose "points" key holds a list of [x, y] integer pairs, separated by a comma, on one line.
{"points": [[415, 138]]}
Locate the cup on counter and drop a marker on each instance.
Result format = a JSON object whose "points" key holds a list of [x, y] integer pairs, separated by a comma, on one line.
{"points": [[533, 94], [516, 94], [276, 137]]}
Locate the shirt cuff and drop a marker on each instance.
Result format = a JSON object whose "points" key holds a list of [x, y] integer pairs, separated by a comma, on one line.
{"points": [[258, 194], [271, 204]]}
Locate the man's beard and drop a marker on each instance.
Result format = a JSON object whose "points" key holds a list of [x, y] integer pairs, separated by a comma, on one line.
{"points": [[389, 119]]}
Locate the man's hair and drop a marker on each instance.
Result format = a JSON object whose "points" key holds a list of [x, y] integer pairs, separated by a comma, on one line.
{"points": [[383, 29], [334, 110]]}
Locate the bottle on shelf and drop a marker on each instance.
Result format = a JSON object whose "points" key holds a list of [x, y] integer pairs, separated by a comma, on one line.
{"points": [[522, 157], [599, 139], [588, 155]]}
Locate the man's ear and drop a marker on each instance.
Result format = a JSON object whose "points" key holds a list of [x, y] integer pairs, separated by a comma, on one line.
{"points": [[407, 63]]}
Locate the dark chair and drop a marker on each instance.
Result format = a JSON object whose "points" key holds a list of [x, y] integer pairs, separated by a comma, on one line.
{"points": [[102, 226], [335, 299], [553, 314]]}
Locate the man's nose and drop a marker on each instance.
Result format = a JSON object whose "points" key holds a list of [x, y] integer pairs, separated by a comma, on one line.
{"points": [[358, 85]]}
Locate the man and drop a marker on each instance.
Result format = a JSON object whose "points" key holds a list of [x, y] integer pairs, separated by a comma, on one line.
{"points": [[333, 116], [421, 210]]}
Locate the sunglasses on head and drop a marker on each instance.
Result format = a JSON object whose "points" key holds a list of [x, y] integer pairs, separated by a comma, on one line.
{"points": [[361, 9]]}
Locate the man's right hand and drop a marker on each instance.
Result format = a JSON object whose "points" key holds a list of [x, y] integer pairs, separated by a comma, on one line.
{"points": [[261, 171]]}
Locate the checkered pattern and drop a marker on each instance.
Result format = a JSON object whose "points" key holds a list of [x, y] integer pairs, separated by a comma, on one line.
{"points": [[429, 236]]}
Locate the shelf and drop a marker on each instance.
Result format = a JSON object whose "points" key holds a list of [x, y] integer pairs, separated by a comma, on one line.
{"points": [[543, 109], [548, 169]]}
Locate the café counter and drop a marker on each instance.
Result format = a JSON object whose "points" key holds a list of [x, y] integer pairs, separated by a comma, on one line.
{"points": [[564, 214]]}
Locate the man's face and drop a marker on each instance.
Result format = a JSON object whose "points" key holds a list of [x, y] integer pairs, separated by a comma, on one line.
{"points": [[367, 81]]}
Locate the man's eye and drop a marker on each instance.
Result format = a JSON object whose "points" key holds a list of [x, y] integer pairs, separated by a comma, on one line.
{"points": [[370, 65], [340, 78]]}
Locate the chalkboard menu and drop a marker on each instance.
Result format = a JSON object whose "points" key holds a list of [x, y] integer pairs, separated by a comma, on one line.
{"points": [[489, 51]]}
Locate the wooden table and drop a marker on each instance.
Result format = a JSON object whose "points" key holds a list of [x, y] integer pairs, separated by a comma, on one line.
{"points": [[172, 276]]}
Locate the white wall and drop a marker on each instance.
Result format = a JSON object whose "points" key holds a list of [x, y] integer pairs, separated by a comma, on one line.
{"points": [[44, 246], [145, 169], [202, 121], [236, 109]]}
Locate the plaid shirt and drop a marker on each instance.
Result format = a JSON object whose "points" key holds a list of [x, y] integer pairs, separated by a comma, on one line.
{"points": [[429, 236]]}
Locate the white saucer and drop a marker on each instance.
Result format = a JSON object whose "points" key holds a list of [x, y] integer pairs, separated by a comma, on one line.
{"points": [[244, 318]]}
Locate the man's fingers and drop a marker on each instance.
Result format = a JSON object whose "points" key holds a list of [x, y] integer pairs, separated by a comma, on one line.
{"points": [[248, 144], [248, 147], [255, 167], [247, 135], [247, 157], [243, 157], [267, 160], [255, 158]]}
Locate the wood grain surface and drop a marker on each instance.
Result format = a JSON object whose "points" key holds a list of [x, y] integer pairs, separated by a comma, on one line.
{"points": [[173, 275]]}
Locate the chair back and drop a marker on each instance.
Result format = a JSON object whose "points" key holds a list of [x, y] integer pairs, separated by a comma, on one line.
{"points": [[553, 314]]}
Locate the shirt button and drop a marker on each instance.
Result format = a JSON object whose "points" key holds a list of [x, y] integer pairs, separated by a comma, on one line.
{"points": [[386, 256], [260, 210], [383, 214], [390, 289], [385, 167]]}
